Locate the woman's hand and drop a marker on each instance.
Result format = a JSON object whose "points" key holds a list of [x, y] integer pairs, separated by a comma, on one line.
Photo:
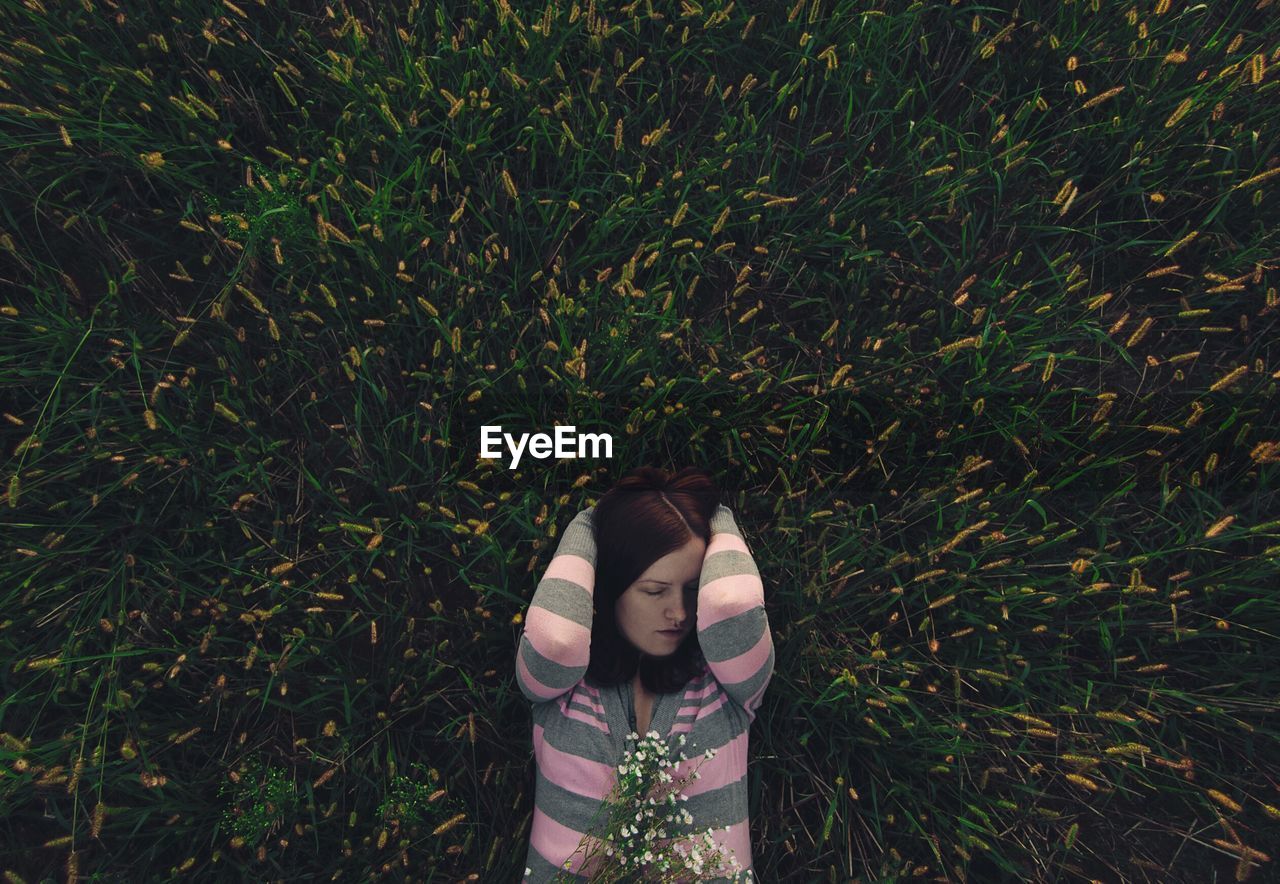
{"points": [[722, 521]]}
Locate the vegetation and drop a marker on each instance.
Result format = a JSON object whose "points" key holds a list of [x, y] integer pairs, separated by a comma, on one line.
{"points": [[971, 310]]}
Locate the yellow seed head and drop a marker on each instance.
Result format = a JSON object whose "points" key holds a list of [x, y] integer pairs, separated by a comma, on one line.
{"points": [[448, 824], [1070, 197], [1229, 378], [1219, 526], [1082, 781], [1031, 719], [1182, 242], [1179, 112], [1256, 179], [1140, 332], [1225, 800], [1103, 96]]}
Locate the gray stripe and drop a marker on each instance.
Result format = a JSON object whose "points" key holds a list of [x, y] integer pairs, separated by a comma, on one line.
{"points": [[578, 738], [580, 705], [713, 729], [542, 872], [722, 522], [563, 597], [579, 537], [549, 672], [734, 635], [727, 563], [577, 812]]}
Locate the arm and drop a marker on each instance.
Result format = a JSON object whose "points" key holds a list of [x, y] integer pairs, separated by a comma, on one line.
{"points": [[555, 644], [733, 629]]}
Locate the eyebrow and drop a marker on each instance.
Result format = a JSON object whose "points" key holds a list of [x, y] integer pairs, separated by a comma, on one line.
{"points": [[665, 582]]}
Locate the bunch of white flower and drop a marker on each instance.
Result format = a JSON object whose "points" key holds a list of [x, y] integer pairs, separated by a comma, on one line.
{"points": [[631, 845]]}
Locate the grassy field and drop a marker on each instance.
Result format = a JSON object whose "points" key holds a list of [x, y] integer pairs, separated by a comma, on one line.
{"points": [[972, 311]]}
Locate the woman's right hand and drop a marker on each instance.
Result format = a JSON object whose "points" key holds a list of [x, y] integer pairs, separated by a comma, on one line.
{"points": [[722, 521]]}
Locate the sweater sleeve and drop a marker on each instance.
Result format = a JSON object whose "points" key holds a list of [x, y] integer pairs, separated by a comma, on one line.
{"points": [[733, 629], [555, 644]]}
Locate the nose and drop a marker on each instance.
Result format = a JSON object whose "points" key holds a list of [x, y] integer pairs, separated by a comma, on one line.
{"points": [[676, 614]]}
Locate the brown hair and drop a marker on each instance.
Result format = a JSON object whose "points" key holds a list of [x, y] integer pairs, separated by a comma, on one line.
{"points": [[645, 516]]}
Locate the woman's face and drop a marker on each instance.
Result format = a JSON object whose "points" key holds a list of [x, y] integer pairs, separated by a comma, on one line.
{"points": [[663, 597]]}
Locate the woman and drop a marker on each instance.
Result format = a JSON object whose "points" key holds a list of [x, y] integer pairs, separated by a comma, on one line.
{"points": [[664, 630]]}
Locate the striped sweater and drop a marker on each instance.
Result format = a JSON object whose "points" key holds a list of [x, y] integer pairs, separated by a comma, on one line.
{"points": [[580, 731]]}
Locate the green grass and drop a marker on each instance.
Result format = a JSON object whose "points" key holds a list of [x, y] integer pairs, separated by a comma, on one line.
{"points": [[981, 351]]}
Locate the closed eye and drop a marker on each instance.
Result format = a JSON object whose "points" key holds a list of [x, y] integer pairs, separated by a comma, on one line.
{"points": [[692, 588]]}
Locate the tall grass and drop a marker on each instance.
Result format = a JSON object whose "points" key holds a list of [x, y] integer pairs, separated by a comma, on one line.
{"points": [[971, 311]]}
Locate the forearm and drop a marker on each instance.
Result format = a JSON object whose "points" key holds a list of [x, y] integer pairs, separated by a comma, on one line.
{"points": [[733, 628], [556, 640]]}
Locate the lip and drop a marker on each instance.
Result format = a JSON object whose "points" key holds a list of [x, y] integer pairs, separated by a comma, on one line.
{"points": [[675, 633]]}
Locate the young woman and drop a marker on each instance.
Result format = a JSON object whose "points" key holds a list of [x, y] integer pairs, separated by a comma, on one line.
{"points": [[649, 617]]}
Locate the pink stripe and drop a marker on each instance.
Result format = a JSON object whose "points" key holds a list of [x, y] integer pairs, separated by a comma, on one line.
{"points": [[703, 710], [556, 843], [738, 840], [588, 697], [748, 663], [693, 701], [703, 696], [558, 638], [723, 541], [728, 766], [708, 688], [574, 714], [576, 569], [570, 772], [682, 727], [728, 596]]}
